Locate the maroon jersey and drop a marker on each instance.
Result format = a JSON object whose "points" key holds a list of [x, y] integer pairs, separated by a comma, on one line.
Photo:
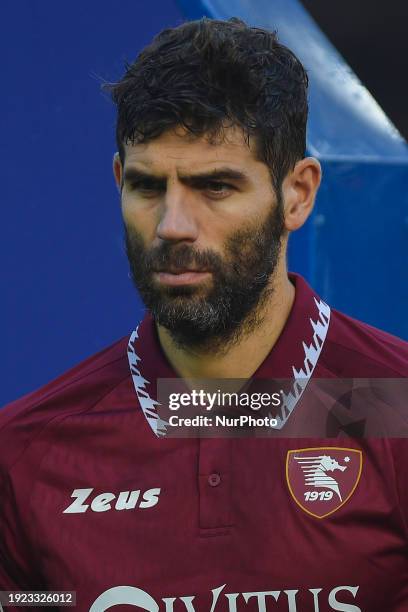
{"points": [[96, 499]]}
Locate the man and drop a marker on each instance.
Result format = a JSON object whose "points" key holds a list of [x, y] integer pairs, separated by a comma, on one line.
{"points": [[96, 497]]}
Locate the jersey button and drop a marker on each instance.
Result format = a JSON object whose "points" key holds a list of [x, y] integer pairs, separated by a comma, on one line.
{"points": [[214, 480]]}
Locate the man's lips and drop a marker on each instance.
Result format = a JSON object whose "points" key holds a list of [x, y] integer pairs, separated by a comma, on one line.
{"points": [[181, 277]]}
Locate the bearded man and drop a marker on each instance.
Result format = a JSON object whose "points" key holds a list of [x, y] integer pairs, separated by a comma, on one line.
{"points": [[96, 497]]}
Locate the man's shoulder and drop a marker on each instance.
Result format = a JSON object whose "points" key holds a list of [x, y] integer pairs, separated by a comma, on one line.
{"points": [[77, 390], [356, 349]]}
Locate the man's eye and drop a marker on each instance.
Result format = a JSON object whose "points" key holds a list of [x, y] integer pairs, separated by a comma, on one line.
{"points": [[218, 188], [145, 187]]}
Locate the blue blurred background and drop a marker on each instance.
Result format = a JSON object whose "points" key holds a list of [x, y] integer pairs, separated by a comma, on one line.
{"points": [[65, 290]]}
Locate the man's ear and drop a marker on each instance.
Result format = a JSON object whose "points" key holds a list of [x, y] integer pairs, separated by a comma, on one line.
{"points": [[117, 171], [299, 191]]}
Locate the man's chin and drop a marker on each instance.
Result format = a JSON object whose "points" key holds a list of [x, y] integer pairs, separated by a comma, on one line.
{"points": [[186, 314], [169, 293], [187, 334], [186, 294]]}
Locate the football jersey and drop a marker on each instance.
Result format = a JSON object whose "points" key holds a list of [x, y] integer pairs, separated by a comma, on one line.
{"points": [[96, 499]]}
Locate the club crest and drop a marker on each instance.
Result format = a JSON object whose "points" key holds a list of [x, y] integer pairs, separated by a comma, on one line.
{"points": [[323, 479]]}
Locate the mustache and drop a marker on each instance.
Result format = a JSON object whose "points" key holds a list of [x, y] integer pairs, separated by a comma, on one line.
{"points": [[176, 258]]}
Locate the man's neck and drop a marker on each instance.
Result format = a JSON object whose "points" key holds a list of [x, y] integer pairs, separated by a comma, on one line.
{"points": [[244, 356]]}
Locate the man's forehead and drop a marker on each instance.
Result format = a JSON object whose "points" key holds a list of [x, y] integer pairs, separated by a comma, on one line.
{"points": [[177, 146]]}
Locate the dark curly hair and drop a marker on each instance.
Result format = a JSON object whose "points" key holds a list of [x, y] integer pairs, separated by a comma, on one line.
{"points": [[208, 74]]}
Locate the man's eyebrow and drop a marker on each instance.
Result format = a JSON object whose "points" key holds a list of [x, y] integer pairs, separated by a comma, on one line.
{"points": [[133, 174], [220, 174]]}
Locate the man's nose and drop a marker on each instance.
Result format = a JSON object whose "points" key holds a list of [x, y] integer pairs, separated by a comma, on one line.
{"points": [[178, 221]]}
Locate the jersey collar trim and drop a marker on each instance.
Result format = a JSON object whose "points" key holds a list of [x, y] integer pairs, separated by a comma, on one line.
{"points": [[295, 355]]}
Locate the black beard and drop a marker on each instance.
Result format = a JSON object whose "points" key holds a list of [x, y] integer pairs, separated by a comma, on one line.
{"points": [[210, 317]]}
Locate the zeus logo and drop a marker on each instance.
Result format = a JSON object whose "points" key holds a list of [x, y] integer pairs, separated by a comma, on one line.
{"points": [[126, 500], [236, 602]]}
